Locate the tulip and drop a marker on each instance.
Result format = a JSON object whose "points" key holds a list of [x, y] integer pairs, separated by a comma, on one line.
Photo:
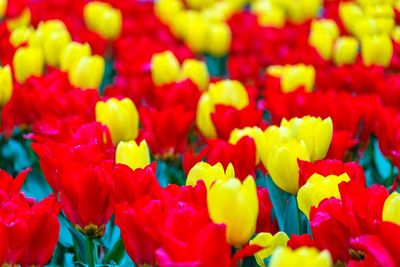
{"points": [[318, 188], [219, 39], [391, 208], [322, 35], [53, 45], [255, 133], [28, 61], [133, 155], [282, 164], [303, 256], [314, 132], [349, 13], [396, 34], [120, 116], [226, 92], [103, 19], [219, 12], [6, 85], [269, 243], [273, 136], [345, 50], [325, 25], [88, 72], [269, 14], [199, 4], [24, 19], [166, 10], [3, 7], [234, 204], [21, 35], [44, 30], [294, 76], [302, 10], [376, 50], [209, 173], [72, 53], [197, 72], [164, 68], [379, 10], [198, 35]]}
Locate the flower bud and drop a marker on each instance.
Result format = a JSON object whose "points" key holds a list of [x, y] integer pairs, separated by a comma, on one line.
{"points": [[3, 7], [273, 135], [120, 116], [72, 53], [164, 68], [103, 19], [166, 10], [255, 133], [234, 204], [88, 72], [21, 35], [269, 14], [28, 61], [303, 256], [391, 208], [282, 164], [53, 45], [314, 132], [133, 155], [24, 19], [345, 50], [197, 72], [198, 36], [294, 76], [6, 85], [350, 13], [376, 50], [218, 39], [269, 243], [226, 92], [209, 173], [318, 188]]}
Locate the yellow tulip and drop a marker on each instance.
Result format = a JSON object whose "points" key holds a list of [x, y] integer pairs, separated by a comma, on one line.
{"points": [[376, 50], [21, 35], [299, 11], [3, 7], [269, 243], [282, 164], [28, 61], [180, 21], [379, 10], [345, 50], [230, 93], [391, 208], [22, 20], [318, 188], [218, 12], [314, 132], [294, 76], [301, 257], [255, 133], [88, 72], [199, 4], [6, 84], [197, 72], [234, 204], [120, 116], [323, 43], [72, 53], [272, 17], [103, 19], [226, 92], [133, 155], [396, 34], [273, 136], [328, 26], [165, 68], [166, 10], [53, 45], [209, 173], [44, 30], [197, 35], [350, 13], [219, 39]]}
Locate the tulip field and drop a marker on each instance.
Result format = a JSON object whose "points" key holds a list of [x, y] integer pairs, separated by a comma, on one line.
{"points": [[200, 133]]}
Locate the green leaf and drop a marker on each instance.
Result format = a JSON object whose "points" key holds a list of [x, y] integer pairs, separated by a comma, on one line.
{"points": [[292, 217], [277, 198], [116, 253]]}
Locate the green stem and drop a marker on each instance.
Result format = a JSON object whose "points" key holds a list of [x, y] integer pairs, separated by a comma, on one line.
{"points": [[90, 251]]}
